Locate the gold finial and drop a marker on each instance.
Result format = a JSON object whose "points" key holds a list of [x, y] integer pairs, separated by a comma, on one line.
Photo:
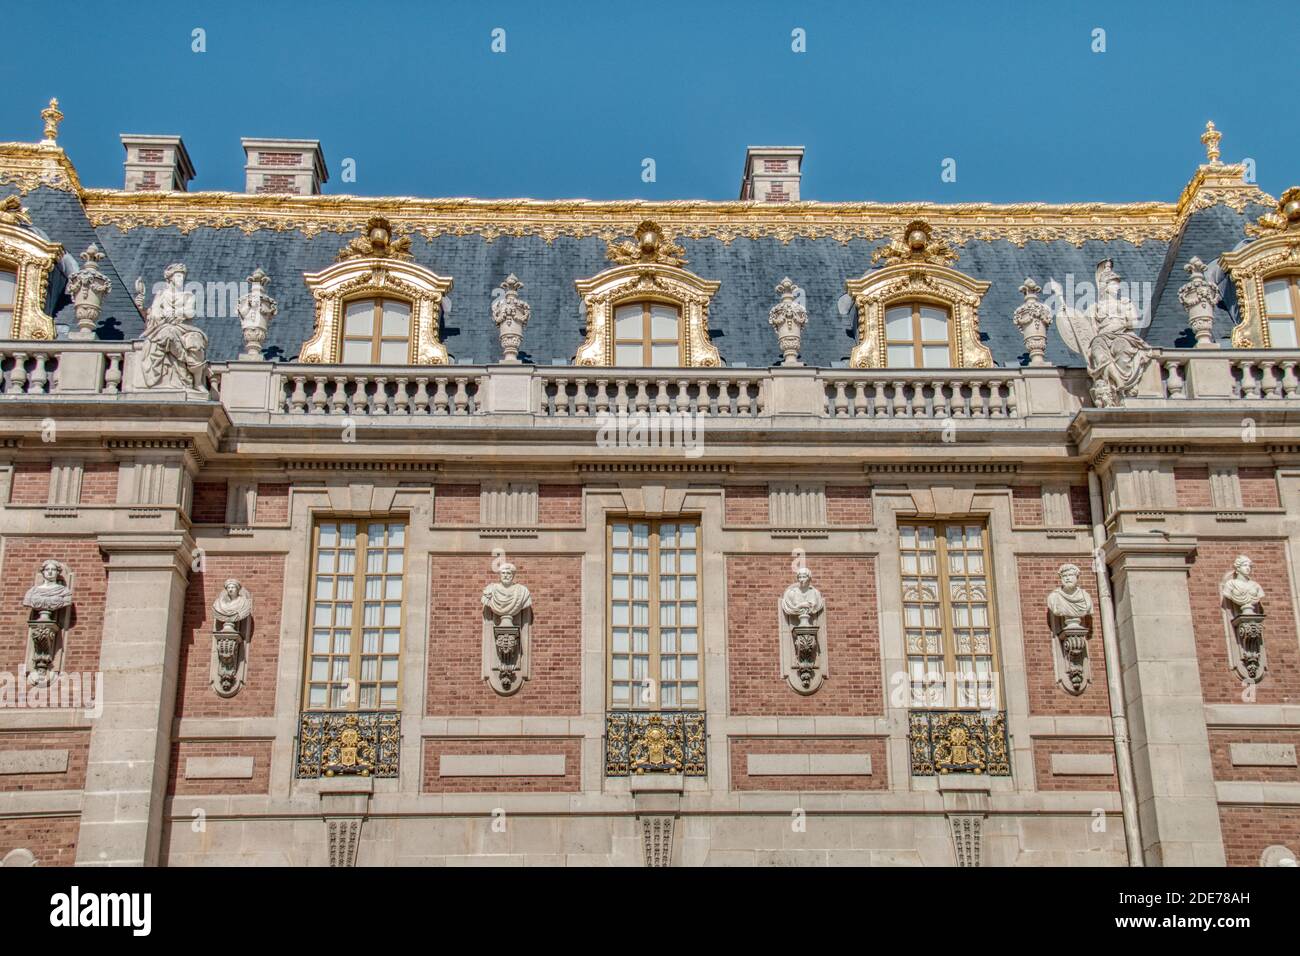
{"points": [[52, 117], [1211, 138]]}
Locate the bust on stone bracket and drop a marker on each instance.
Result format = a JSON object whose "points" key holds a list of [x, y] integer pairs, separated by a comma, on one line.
{"points": [[1243, 619], [802, 623], [507, 632], [233, 616], [50, 601], [1069, 613]]}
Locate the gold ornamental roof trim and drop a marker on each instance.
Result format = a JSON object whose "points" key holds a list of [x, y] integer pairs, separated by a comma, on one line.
{"points": [[725, 220]]}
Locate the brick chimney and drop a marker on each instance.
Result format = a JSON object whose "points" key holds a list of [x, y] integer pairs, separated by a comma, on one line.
{"points": [[295, 167], [156, 164], [772, 173]]}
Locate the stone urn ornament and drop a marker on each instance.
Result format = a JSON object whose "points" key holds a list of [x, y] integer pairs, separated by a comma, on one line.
{"points": [[1032, 318], [87, 288], [510, 313], [788, 317], [256, 310]]}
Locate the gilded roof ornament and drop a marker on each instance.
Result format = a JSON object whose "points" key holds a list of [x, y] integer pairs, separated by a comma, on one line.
{"points": [[52, 116], [917, 245], [1285, 217], [376, 242], [1211, 138], [649, 246], [13, 213]]}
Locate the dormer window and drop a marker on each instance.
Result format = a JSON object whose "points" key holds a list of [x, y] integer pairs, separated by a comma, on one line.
{"points": [[377, 332], [647, 335], [1281, 306], [916, 336]]}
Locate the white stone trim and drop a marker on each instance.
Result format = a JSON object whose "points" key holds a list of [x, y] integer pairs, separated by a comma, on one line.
{"points": [[1083, 765], [1262, 755], [33, 761], [218, 768]]}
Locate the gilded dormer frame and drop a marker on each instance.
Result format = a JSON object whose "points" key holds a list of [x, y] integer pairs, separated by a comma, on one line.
{"points": [[918, 273], [1274, 253], [647, 269], [32, 259], [370, 266]]}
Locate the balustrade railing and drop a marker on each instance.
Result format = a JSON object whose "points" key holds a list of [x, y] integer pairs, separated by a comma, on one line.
{"points": [[903, 394], [570, 394], [335, 390]]}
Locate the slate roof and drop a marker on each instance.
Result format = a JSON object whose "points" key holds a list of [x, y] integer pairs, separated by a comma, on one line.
{"points": [[747, 268]]}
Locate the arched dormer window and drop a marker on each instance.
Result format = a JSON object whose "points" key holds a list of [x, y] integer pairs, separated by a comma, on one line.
{"points": [[26, 260], [918, 312], [1266, 274], [647, 310], [375, 307]]}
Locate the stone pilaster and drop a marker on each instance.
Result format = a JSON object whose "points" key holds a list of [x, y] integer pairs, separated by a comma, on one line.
{"points": [[1177, 806], [126, 774]]}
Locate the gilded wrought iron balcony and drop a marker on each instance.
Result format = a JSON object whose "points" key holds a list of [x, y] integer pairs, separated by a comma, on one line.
{"points": [[348, 743], [958, 741], [641, 742]]}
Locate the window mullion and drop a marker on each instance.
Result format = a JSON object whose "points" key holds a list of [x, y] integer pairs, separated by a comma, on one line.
{"points": [[945, 605], [358, 611], [655, 666]]}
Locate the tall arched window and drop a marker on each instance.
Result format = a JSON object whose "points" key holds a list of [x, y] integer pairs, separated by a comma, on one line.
{"points": [[377, 332], [917, 336], [647, 335], [1281, 307]]}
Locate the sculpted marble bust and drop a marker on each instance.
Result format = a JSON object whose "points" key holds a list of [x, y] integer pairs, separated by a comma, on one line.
{"points": [[50, 592], [507, 632], [802, 620], [1241, 589]]}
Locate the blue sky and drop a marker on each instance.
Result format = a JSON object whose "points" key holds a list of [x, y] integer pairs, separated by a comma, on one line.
{"points": [[584, 92]]}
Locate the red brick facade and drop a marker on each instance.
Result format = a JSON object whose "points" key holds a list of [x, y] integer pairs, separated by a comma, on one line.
{"points": [[75, 742], [559, 505], [99, 483], [1192, 487], [848, 505], [1044, 747], [745, 506], [1080, 505], [455, 660], [1248, 831], [1258, 487], [1221, 742], [1219, 684], [263, 575], [435, 747], [272, 504], [457, 505], [739, 749], [209, 502], [848, 584], [260, 750], [1026, 506], [1037, 579], [52, 840], [22, 562], [31, 483]]}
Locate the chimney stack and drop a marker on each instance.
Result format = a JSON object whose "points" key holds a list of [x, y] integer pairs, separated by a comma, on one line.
{"points": [[772, 173], [156, 164], [294, 167]]}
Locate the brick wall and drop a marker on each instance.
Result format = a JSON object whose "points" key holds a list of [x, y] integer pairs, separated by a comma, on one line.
{"points": [[272, 504], [435, 747], [755, 584], [263, 576], [1037, 579], [278, 183], [1248, 831], [1192, 487], [1044, 747], [741, 747], [455, 669], [209, 502], [22, 562], [558, 505], [1080, 505], [745, 505], [75, 742], [31, 483], [52, 840], [457, 505], [259, 750], [848, 505], [1026, 506], [1219, 684], [1221, 742], [1258, 487], [99, 483]]}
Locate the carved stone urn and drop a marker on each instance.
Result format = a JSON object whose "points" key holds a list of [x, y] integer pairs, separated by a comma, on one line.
{"points": [[87, 289], [510, 313], [256, 310], [1199, 297], [788, 317], [1032, 318]]}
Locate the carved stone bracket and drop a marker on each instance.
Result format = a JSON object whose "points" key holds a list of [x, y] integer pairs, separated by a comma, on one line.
{"points": [[233, 611]]}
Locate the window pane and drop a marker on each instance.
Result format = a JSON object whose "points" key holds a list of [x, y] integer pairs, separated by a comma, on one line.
{"points": [[359, 318], [1282, 333], [663, 322], [664, 356], [629, 356], [393, 353], [898, 323], [1277, 298], [900, 356], [935, 356], [356, 352], [628, 322], [8, 287], [397, 319], [934, 324]]}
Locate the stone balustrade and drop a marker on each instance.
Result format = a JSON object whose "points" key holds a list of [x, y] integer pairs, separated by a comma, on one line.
{"points": [[882, 393]]}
